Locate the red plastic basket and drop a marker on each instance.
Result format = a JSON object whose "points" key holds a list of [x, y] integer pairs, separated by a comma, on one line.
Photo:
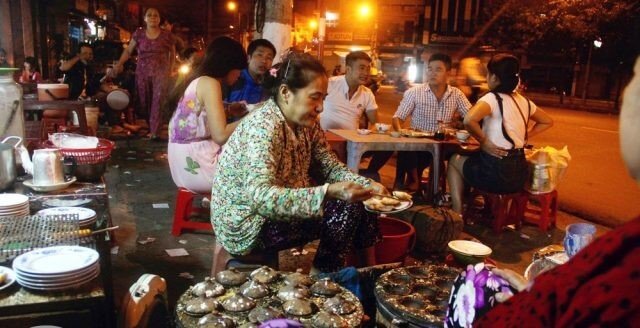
{"points": [[86, 156]]}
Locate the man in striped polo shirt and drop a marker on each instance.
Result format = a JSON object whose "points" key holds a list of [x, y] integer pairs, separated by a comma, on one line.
{"points": [[427, 104]]}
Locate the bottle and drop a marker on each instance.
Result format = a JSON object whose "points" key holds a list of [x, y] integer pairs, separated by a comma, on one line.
{"points": [[11, 111], [440, 133]]}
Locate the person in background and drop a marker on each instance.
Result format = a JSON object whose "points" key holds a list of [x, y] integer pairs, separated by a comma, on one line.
{"points": [[337, 70], [279, 185], [248, 89], [500, 122], [31, 72], [156, 54], [78, 73], [598, 286], [198, 127], [427, 104], [3, 58]]}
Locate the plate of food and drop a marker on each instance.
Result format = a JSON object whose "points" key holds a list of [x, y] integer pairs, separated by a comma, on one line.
{"points": [[7, 277], [416, 134], [397, 202]]}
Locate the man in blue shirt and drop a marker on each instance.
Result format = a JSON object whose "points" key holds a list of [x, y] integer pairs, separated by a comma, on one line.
{"points": [[248, 88]]}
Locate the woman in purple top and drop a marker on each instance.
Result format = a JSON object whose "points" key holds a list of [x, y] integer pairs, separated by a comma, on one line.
{"points": [[156, 50], [198, 127]]}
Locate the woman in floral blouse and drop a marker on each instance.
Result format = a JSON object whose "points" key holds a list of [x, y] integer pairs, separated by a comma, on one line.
{"points": [[198, 127], [279, 185]]}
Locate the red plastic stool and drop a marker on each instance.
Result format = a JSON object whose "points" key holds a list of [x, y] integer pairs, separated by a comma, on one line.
{"points": [[503, 208], [545, 215], [184, 209]]}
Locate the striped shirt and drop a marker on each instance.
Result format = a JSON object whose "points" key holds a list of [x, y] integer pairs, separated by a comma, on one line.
{"points": [[425, 109]]}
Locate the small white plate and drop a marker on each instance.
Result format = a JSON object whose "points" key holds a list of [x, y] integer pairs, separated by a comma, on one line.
{"points": [[55, 260], [364, 132], [84, 214], [10, 279], [66, 202], [405, 204], [12, 200], [468, 247], [54, 187]]}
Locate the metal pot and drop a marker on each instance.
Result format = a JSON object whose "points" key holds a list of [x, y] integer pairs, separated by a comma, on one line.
{"points": [[90, 172], [8, 163]]}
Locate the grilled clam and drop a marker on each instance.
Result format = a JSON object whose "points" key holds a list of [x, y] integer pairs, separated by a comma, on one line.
{"points": [[231, 277], [299, 307], [254, 289], [298, 278], [339, 305], [238, 303], [216, 320], [207, 288], [290, 292], [200, 306], [265, 275], [325, 287], [261, 314], [328, 320]]}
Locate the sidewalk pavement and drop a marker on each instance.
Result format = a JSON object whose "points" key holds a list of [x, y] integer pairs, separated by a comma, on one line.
{"points": [[577, 103]]}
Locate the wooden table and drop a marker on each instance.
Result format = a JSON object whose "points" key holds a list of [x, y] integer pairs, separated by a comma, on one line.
{"points": [[358, 144], [90, 305], [68, 105]]}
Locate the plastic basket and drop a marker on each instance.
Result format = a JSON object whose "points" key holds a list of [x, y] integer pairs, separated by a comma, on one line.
{"points": [[86, 156]]}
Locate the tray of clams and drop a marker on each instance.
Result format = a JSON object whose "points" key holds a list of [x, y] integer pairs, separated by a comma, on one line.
{"points": [[239, 299], [419, 293]]}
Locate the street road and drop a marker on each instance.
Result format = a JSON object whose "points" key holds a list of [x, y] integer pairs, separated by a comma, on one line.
{"points": [[596, 185]]}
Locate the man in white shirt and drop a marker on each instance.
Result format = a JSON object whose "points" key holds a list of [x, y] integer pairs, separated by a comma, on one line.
{"points": [[427, 104], [351, 105]]}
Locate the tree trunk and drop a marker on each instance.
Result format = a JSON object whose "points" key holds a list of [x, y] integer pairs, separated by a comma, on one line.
{"points": [[277, 26]]}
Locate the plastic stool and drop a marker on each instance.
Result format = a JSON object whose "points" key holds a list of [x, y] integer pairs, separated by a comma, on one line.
{"points": [[503, 208], [543, 217], [222, 259], [184, 209]]}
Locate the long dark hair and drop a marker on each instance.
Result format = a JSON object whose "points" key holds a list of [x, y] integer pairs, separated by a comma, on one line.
{"points": [[507, 68], [222, 55], [33, 63], [296, 71]]}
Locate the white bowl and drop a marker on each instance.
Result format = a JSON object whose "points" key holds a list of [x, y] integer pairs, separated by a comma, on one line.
{"points": [[364, 131], [462, 135], [468, 247], [382, 127]]}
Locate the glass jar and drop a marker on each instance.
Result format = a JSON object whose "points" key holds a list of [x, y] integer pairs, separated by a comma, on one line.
{"points": [[440, 132], [11, 111]]}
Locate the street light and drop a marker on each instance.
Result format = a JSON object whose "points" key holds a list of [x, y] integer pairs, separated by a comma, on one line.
{"points": [[597, 43], [232, 6], [364, 10]]}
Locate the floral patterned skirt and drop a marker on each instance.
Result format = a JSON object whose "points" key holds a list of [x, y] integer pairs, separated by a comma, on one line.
{"points": [[344, 227]]}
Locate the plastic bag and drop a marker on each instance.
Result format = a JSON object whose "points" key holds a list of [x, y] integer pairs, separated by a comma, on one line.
{"points": [[73, 141], [547, 166]]}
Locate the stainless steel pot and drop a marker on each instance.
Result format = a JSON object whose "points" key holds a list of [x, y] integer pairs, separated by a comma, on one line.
{"points": [[8, 163], [90, 172]]}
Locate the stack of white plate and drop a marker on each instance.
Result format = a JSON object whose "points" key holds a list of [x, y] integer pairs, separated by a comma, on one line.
{"points": [[57, 267], [86, 216], [14, 205]]}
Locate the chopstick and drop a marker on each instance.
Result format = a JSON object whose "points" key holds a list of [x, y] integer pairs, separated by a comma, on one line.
{"points": [[95, 232]]}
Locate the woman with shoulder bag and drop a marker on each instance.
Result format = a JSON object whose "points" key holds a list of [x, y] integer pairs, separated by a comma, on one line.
{"points": [[500, 122]]}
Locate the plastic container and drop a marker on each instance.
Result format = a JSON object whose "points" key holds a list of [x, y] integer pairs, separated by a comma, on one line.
{"points": [[11, 111], [53, 91], [543, 178], [398, 239]]}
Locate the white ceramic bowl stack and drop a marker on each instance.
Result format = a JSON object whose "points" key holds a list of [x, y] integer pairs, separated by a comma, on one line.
{"points": [[57, 267], [14, 205], [86, 216]]}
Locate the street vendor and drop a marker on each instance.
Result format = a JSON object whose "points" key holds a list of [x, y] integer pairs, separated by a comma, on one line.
{"points": [[279, 185], [500, 122]]}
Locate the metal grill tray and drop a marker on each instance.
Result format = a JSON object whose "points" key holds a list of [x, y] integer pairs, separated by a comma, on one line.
{"points": [[19, 235]]}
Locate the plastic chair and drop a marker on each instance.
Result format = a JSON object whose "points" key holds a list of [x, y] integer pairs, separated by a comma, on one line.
{"points": [[184, 210], [503, 208], [545, 213]]}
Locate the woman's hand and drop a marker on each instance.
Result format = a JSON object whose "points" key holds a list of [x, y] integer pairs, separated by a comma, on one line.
{"points": [[514, 279], [493, 150], [349, 192], [378, 188], [237, 109]]}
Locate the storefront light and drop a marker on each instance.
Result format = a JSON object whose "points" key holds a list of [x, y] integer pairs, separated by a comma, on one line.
{"points": [[412, 72], [331, 16]]}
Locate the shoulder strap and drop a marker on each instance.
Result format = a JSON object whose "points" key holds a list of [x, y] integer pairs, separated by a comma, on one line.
{"points": [[525, 120], [504, 131]]}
